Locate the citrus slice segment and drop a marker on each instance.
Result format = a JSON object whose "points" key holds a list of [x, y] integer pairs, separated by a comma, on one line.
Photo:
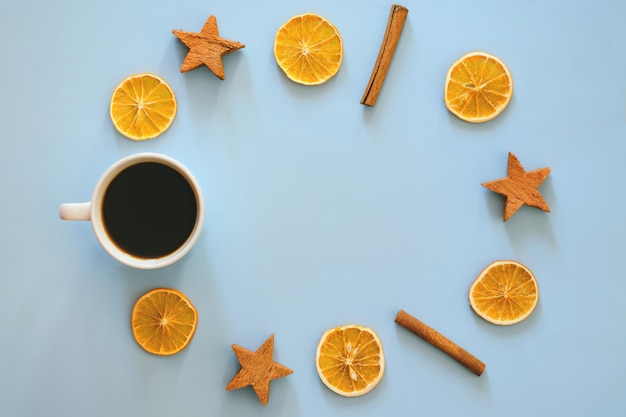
{"points": [[163, 321], [478, 87], [504, 293], [142, 106], [350, 360], [309, 49]]}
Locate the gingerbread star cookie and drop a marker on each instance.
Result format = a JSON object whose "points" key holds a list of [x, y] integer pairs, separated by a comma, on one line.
{"points": [[206, 48], [520, 187], [257, 369]]}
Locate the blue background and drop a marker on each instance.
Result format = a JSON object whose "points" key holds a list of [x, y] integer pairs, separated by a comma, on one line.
{"points": [[320, 211]]}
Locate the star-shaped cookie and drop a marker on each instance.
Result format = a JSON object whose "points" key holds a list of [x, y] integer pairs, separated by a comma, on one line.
{"points": [[206, 48], [520, 187], [257, 369]]}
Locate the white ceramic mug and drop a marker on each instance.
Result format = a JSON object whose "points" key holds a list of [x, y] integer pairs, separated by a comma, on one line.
{"points": [[108, 230]]}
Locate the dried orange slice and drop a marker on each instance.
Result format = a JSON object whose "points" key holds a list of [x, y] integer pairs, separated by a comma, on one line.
{"points": [[142, 106], [504, 293], [350, 360], [309, 49], [478, 87], [163, 321]]}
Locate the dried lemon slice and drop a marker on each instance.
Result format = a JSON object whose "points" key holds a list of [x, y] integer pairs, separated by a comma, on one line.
{"points": [[504, 293], [478, 87], [309, 49], [350, 360], [142, 106], [163, 321]]}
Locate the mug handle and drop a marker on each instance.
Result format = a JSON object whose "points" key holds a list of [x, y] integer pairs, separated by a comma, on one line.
{"points": [[75, 211]]}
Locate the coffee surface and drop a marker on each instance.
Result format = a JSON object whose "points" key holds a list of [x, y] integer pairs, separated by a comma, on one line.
{"points": [[149, 210]]}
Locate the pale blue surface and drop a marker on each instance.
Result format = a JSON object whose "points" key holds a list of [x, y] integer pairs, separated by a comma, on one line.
{"points": [[320, 211]]}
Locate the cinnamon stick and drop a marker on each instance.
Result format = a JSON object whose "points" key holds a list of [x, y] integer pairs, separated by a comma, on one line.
{"points": [[395, 24], [438, 340]]}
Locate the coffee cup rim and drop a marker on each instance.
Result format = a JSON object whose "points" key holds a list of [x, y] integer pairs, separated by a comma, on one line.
{"points": [[99, 228]]}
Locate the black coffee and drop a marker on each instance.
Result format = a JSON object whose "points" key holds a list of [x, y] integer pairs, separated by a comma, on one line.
{"points": [[149, 210]]}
